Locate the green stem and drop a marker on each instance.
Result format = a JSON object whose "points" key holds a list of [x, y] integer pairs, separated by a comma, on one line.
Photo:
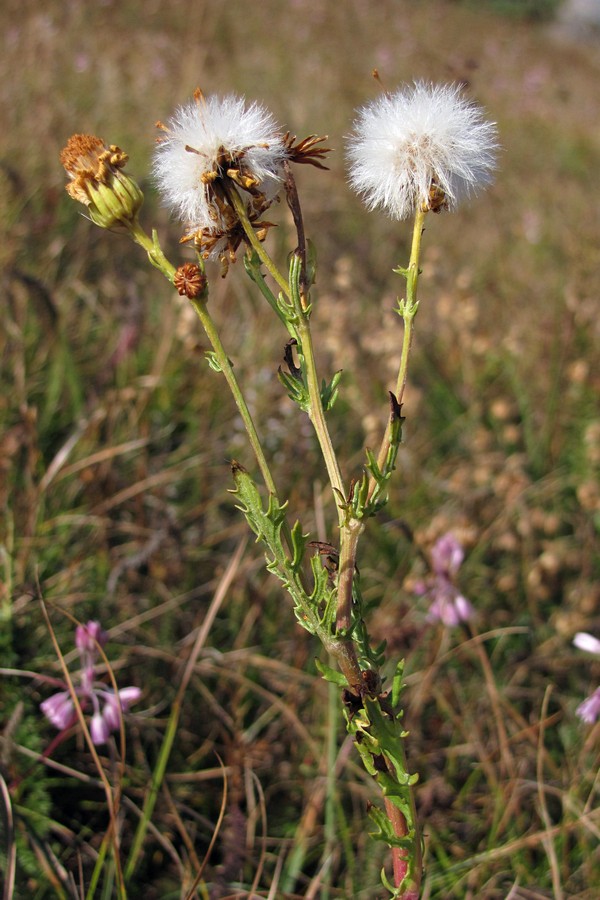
{"points": [[350, 536], [411, 305], [352, 529], [316, 412], [158, 259], [153, 249], [330, 830], [254, 242], [408, 310], [317, 415], [342, 648], [227, 370]]}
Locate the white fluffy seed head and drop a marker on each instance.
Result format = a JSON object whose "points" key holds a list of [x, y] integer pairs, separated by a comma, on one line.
{"points": [[207, 126], [420, 137]]}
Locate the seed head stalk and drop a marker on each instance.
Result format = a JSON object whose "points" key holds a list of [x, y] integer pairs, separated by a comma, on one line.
{"points": [[253, 240], [352, 528], [407, 309], [317, 417], [316, 412]]}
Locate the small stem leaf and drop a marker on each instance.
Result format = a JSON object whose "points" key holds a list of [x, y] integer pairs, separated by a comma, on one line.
{"points": [[282, 307], [295, 389], [372, 465], [397, 683], [329, 392], [407, 309], [360, 496], [329, 674], [396, 892], [252, 266], [295, 275], [287, 312], [299, 542], [385, 831], [213, 361], [267, 526], [311, 263]]}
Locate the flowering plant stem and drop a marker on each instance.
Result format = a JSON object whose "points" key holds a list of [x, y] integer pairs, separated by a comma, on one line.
{"points": [[377, 727], [401, 816]]}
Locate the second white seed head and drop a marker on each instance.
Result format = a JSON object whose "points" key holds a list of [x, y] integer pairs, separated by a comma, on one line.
{"points": [[421, 137]]}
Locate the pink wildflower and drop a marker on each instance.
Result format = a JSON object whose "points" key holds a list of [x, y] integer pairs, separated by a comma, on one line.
{"points": [[448, 605], [589, 710], [59, 708]]}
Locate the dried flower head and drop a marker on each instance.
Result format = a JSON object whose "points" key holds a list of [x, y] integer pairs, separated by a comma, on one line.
{"points": [[189, 280], [97, 180], [222, 243], [209, 142], [425, 146]]}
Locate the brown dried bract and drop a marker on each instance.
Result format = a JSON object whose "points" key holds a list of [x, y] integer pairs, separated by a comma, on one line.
{"points": [[437, 200], [306, 151], [208, 240]]}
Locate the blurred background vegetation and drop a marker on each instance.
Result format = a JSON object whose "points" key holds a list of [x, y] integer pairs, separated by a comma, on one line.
{"points": [[115, 438]]}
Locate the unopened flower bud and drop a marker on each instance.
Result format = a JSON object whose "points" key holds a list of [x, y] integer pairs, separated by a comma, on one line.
{"points": [[87, 636], [97, 180]]}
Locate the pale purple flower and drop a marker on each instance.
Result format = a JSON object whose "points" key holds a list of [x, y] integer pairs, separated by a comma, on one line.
{"points": [[585, 641], [448, 605], [424, 146], [204, 139], [59, 708], [99, 729], [124, 699], [447, 556], [589, 710]]}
